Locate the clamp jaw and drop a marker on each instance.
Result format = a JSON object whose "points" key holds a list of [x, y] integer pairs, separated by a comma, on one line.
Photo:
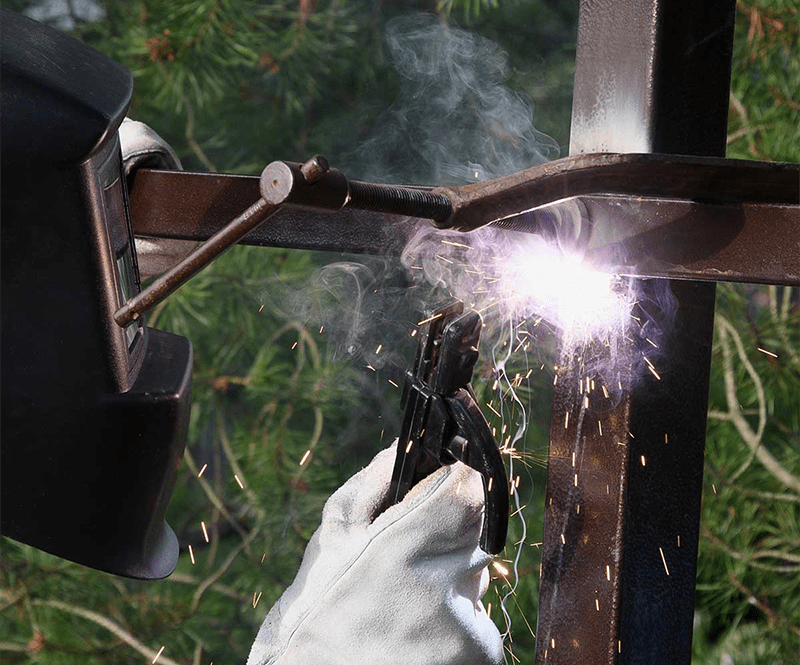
{"points": [[442, 422]]}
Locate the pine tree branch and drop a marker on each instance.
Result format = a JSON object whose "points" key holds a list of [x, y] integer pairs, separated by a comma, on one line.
{"points": [[741, 489], [110, 626], [743, 557], [780, 317], [212, 496], [751, 438], [211, 579], [237, 470]]}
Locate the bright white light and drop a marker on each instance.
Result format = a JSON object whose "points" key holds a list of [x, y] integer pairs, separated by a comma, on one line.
{"points": [[581, 302]]}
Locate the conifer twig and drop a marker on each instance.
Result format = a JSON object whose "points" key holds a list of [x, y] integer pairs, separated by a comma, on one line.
{"points": [[104, 622], [211, 579], [751, 438], [212, 496]]}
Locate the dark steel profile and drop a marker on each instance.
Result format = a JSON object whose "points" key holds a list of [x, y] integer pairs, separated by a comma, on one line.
{"points": [[623, 507]]}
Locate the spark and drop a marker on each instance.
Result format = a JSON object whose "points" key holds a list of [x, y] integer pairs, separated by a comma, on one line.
{"points": [[494, 411], [321, 328], [679, 540], [566, 420], [491, 481], [262, 307], [592, 388], [605, 392], [651, 368], [619, 646], [576, 480], [428, 320], [563, 540], [263, 556], [578, 509], [714, 487], [393, 383], [651, 342], [294, 346], [413, 333], [408, 446], [495, 384], [160, 651], [643, 461], [516, 482], [456, 244], [555, 379], [518, 510], [191, 554], [205, 531], [608, 572], [573, 459], [202, 471], [769, 353], [553, 642], [666, 438], [663, 560], [489, 611], [505, 646], [500, 568], [256, 599], [378, 350], [417, 268], [238, 481], [439, 256], [597, 604], [586, 401], [600, 427], [305, 457]]}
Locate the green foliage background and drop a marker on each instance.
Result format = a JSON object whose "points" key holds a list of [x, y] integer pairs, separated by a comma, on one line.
{"points": [[234, 84]]}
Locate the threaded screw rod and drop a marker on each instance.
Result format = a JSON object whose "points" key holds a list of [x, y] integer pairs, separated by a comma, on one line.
{"points": [[399, 200]]}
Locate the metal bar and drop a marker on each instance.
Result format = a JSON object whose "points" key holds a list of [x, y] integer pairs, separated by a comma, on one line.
{"points": [[195, 206], [629, 234], [623, 506], [171, 280]]}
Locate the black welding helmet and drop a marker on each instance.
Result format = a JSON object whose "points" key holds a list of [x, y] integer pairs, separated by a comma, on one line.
{"points": [[94, 416]]}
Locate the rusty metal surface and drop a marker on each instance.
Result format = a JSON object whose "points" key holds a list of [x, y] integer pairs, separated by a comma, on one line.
{"points": [[694, 178], [168, 204], [651, 75], [680, 239], [627, 234]]}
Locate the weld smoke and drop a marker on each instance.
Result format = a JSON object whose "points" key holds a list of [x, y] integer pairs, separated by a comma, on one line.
{"points": [[455, 122]]}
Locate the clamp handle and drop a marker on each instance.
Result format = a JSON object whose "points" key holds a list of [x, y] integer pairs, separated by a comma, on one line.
{"points": [[442, 422]]}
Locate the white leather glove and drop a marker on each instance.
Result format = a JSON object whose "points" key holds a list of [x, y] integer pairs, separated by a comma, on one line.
{"points": [[403, 589], [142, 148]]}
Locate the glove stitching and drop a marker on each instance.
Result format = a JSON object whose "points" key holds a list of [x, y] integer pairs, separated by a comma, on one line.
{"points": [[357, 558]]}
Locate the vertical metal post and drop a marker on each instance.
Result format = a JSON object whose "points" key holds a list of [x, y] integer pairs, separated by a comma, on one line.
{"points": [[623, 505]]}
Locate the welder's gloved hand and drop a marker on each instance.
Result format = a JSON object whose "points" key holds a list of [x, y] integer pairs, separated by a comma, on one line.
{"points": [[400, 587], [142, 148]]}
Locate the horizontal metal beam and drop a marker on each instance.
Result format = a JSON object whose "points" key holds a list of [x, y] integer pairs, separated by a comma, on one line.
{"points": [[620, 232]]}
